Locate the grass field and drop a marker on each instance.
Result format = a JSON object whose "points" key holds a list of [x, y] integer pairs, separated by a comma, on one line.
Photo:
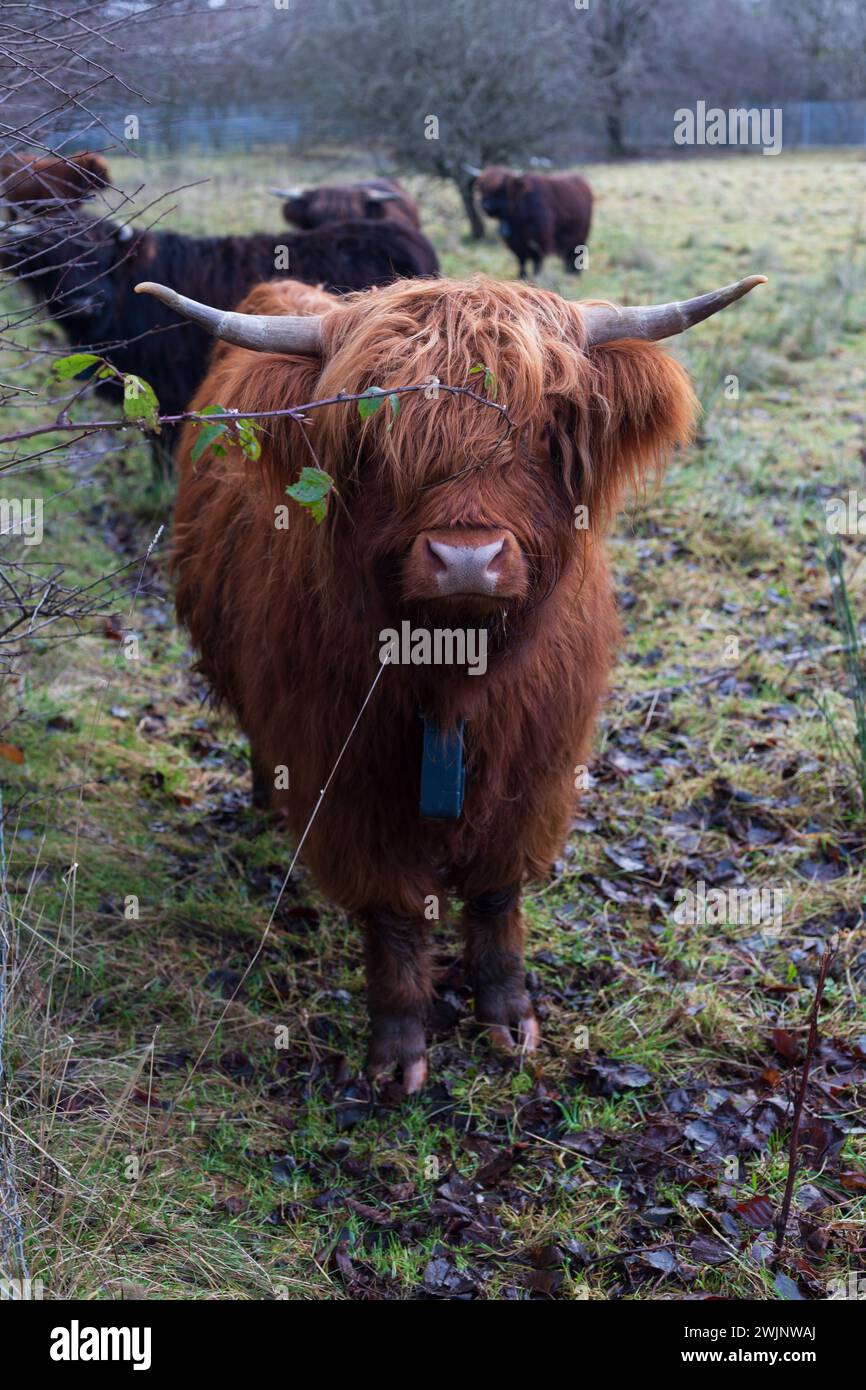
{"points": [[168, 1146]]}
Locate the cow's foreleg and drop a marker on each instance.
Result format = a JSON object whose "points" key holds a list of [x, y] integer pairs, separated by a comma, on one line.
{"points": [[399, 989], [263, 782], [494, 936]]}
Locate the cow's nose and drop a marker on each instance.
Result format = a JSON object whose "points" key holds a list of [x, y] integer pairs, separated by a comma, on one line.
{"points": [[466, 569]]}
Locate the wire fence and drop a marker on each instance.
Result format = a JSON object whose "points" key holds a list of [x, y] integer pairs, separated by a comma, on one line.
{"points": [[804, 124]]}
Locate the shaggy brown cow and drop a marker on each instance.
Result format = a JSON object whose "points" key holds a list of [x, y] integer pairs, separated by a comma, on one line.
{"points": [[30, 186], [449, 519], [372, 201], [538, 214]]}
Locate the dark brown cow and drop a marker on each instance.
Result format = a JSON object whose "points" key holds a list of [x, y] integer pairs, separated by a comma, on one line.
{"points": [[538, 214], [374, 200], [451, 519], [30, 186]]}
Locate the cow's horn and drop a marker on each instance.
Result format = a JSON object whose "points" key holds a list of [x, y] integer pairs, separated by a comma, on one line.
{"points": [[259, 332], [472, 170], [380, 195], [287, 192], [607, 324]]}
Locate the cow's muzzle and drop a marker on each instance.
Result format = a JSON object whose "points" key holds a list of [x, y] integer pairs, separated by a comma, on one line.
{"points": [[485, 567]]}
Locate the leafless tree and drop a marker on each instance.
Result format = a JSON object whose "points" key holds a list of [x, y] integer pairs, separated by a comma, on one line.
{"points": [[825, 47], [437, 87], [506, 82], [614, 46]]}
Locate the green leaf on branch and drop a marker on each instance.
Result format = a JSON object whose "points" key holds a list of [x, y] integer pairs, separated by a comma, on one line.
{"points": [[237, 430], [66, 367], [311, 491], [371, 401], [374, 399], [208, 434], [248, 437], [139, 402], [490, 383], [205, 440]]}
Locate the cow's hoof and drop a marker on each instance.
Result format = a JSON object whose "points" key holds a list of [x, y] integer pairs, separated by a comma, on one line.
{"points": [[398, 1042], [511, 1025]]}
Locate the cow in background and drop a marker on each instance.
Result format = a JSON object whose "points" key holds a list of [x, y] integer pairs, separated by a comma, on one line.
{"points": [[29, 186], [374, 200], [538, 214]]}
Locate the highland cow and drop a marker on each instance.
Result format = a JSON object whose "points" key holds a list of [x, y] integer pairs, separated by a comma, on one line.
{"points": [[450, 516], [375, 200], [538, 214], [31, 186]]}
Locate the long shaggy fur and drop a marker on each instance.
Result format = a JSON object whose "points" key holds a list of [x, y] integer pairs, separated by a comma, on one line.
{"points": [[287, 622]]}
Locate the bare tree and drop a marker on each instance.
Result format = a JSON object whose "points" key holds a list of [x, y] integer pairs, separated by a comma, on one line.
{"points": [[616, 46], [826, 47], [439, 88]]}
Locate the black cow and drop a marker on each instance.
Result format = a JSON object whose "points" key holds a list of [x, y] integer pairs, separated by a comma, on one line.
{"points": [[85, 270]]}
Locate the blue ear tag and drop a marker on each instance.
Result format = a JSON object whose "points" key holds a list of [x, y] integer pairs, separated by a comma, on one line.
{"points": [[443, 774]]}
